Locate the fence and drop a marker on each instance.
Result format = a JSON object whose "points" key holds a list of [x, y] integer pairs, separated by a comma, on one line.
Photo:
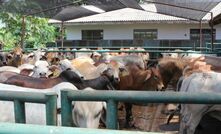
{"points": [[113, 97], [7, 128], [19, 98]]}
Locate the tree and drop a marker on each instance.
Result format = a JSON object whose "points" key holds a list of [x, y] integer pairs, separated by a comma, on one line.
{"points": [[37, 31]]}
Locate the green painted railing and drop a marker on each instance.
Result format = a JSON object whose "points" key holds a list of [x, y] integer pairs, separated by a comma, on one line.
{"points": [[113, 97], [20, 97], [8, 128]]}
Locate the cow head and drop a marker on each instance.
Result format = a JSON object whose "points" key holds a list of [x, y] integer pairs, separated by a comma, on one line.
{"points": [[116, 69], [41, 69], [3, 59], [87, 114], [17, 53], [156, 76]]}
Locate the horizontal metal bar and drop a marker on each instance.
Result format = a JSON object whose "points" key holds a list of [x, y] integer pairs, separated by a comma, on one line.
{"points": [[113, 47], [146, 97], [9, 128], [133, 51], [23, 96]]}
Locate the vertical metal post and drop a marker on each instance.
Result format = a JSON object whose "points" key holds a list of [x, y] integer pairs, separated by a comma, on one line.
{"points": [[19, 110], [66, 109], [62, 34], [212, 36], [112, 114], [23, 32], [201, 39], [51, 109]]}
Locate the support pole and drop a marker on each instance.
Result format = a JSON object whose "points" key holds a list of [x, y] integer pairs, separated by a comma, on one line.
{"points": [[19, 110], [66, 109], [111, 114], [51, 109], [62, 34], [23, 33], [212, 35], [201, 39]]}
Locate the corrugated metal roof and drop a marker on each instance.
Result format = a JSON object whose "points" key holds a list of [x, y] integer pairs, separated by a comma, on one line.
{"points": [[126, 15]]}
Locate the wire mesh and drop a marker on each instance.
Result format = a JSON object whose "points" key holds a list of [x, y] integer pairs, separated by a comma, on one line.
{"points": [[173, 7]]}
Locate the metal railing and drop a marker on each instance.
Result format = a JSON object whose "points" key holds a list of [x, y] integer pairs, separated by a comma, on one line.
{"points": [[8, 128], [20, 97], [113, 97]]}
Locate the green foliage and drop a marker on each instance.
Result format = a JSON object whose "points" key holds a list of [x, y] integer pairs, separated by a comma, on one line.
{"points": [[37, 31]]}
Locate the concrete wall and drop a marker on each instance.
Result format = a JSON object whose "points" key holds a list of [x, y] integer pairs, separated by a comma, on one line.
{"points": [[125, 31]]}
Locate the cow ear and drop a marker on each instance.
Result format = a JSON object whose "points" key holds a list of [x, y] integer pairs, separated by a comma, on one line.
{"points": [[9, 56], [148, 75], [104, 105], [43, 58], [123, 71]]}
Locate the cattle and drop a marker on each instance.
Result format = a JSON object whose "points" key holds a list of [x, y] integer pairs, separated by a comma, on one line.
{"points": [[66, 64], [53, 57], [40, 83], [139, 79], [3, 59], [84, 114], [34, 56], [89, 71], [203, 64], [16, 57], [104, 82], [88, 114], [10, 69], [40, 69], [191, 114], [83, 54], [127, 59], [171, 69]]}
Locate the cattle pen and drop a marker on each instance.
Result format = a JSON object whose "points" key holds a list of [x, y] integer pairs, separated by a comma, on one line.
{"points": [[161, 56], [111, 97]]}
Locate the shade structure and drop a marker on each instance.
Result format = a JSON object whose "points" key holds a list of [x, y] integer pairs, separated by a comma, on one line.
{"points": [[63, 9], [73, 12], [216, 20], [192, 9]]}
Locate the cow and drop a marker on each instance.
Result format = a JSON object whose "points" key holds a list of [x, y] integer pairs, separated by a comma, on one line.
{"points": [[191, 114], [15, 59], [171, 69], [138, 79], [3, 58], [84, 114]]}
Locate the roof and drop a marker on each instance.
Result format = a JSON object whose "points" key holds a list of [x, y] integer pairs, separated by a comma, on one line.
{"points": [[128, 15]]}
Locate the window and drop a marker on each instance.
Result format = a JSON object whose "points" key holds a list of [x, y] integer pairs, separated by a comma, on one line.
{"points": [[145, 34], [206, 34], [92, 34]]}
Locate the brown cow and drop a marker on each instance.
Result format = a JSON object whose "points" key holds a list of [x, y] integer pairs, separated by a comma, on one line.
{"points": [[39, 83], [171, 69], [15, 59], [138, 79]]}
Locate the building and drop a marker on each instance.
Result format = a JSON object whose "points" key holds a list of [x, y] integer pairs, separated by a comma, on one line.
{"points": [[132, 27]]}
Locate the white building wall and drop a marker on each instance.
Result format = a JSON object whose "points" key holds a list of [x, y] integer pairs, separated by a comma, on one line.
{"points": [[218, 32], [125, 31]]}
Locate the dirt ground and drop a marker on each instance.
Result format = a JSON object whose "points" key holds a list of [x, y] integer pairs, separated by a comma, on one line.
{"points": [[150, 119]]}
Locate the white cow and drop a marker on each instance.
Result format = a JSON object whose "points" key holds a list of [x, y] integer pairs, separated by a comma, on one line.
{"points": [[41, 69], [191, 114], [85, 114]]}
